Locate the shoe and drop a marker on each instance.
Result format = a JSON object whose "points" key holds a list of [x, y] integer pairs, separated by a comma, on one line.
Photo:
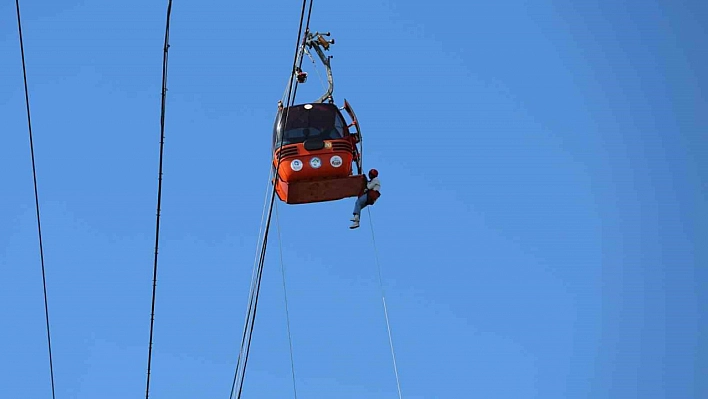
{"points": [[355, 218], [354, 225]]}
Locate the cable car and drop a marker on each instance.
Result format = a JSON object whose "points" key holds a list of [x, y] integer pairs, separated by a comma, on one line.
{"points": [[314, 146]]}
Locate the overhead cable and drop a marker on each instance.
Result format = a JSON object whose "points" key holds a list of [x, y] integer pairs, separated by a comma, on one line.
{"points": [[36, 200], [159, 191]]}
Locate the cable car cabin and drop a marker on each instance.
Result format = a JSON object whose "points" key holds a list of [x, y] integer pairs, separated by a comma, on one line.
{"points": [[316, 150]]}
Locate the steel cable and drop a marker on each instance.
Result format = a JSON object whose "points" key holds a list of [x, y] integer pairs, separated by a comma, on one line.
{"points": [[36, 200]]}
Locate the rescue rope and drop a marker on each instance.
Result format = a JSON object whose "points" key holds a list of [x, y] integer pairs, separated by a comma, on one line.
{"points": [[285, 296], [383, 299], [159, 191], [36, 199]]}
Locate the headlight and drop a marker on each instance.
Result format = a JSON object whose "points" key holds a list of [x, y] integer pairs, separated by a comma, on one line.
{"points": [[296, 165], [336, 161], [315, 163]]}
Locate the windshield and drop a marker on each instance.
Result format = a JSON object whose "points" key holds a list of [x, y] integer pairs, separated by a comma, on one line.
{"points": [[320, 122]]}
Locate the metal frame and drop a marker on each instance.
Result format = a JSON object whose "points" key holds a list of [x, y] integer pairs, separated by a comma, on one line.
{"points": [[317, 42]]}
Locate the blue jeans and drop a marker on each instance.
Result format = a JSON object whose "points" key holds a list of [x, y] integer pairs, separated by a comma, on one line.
{"points": [[360, 204]]}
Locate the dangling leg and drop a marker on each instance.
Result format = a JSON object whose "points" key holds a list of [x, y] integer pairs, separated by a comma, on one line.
{"points": [[358, 206]]}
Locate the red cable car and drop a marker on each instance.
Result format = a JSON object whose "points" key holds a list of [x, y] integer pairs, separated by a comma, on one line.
{"points": [[315, 148]]}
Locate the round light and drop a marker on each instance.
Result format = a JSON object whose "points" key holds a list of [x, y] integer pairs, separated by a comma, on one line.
{"points": [[315, 163], [336, 161], [296, 165], [308, 106]]}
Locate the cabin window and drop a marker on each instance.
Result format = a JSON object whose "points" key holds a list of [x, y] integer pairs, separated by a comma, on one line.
{"points": [[321, 122]]}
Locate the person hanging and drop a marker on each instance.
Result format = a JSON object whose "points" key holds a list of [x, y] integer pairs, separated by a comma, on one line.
{"points": [[371, 194]]}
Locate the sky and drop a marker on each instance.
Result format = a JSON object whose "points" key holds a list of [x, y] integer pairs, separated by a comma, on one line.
{"points": [[541, 230]]}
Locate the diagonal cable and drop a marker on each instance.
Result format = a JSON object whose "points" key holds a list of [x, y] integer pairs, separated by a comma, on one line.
{"points": [[36, 199]]}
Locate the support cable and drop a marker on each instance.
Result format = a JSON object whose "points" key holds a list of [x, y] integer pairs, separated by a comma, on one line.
{"points": [[159, 190], [260, 230], [299, 55], [36, 199], [242, 361], [383, 299]]}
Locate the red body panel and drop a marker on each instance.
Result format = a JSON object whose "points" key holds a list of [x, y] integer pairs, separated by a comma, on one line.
{"points": [[319, 175], [331, 189]]}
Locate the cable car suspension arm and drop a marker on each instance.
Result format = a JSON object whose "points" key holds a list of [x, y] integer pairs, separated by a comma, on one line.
{"points": [[317, 42]]}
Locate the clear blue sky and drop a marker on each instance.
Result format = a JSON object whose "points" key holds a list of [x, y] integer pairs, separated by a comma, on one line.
{"points": [[542, 227]]}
